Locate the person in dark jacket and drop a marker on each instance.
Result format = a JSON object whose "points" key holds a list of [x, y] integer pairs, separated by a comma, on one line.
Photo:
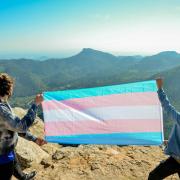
{"points": [[11, 125], [172, 164]]}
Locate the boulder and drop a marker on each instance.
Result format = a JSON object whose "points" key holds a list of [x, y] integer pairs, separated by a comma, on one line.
{"points": [[29, 153]]}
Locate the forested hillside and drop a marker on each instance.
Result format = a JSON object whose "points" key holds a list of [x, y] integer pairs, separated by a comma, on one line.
{"points": [[87, 69]]}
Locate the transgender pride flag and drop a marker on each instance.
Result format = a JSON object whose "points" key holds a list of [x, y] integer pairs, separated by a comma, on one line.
{"points": [[128, 114]]}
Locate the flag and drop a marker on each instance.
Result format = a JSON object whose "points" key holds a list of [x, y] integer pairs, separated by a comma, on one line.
{"points": [[127, 114]]}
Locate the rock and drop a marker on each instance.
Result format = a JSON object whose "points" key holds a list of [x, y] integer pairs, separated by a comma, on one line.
{"points": [[58, 155], [29, 153], [112, 152], [51, 148], [47, 163], [19, 111]]}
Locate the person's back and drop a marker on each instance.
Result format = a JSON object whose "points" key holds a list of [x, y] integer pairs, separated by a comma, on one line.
{"points": [[8, 139]]}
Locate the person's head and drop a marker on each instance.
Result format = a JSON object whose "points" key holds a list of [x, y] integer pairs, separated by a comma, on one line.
{"points": [[6, 85]]}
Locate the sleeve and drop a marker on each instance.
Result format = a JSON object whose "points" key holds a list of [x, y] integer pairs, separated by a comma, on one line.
{"points": [[13, 123], [175, 115], [28, 136]]}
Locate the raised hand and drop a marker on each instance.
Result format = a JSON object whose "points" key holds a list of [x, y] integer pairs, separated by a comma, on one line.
{"points": [[40, 141], [159, 83], [39, 99]]}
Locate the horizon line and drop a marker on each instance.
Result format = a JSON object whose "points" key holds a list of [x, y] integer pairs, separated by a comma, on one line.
{"points": [[61, 55]]}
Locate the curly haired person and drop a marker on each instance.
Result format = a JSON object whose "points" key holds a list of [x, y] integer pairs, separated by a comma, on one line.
{"points": [[11, 125]]}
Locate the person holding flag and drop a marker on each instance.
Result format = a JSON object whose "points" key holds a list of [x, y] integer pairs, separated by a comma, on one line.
{"points": [[172, 164], [11, 125]]}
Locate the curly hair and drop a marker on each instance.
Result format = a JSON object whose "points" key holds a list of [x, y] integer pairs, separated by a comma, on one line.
{"points": [[6, 85]]}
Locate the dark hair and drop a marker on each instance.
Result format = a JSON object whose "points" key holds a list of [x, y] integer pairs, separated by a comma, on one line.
{"points": [[6, 85]]}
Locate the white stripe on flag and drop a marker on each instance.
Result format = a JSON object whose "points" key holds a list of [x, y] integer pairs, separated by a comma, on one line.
{"points": [[104, 113]]}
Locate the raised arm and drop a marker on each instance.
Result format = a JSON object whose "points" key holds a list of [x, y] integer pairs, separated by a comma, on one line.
{"points": [[171, 111], [31, 137], [14, 123], [28, 136]]}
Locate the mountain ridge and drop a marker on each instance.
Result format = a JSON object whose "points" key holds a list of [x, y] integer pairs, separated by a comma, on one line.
{"points": [[91, 50], [88, 68]]}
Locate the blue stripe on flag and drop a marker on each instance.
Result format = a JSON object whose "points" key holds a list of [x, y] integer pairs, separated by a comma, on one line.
{"points": [[145, 138], [146, 86]]}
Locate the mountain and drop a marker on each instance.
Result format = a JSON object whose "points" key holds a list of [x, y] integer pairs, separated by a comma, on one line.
{"points": [[88, 68], [171, 84], [159, 62]]}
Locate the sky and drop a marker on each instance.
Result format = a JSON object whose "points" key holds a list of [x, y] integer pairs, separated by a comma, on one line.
{"points": [[61, 28]]}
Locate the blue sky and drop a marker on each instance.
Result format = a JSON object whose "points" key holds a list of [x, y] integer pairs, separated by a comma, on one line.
{"points": [[30, 28]]}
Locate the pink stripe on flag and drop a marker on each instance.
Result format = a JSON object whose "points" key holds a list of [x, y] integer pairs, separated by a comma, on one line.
{"points": [[91, 127], [145, 98]]}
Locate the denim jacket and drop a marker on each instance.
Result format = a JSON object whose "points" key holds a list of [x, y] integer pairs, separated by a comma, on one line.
{"points": [[173, 147], [11, 125]]}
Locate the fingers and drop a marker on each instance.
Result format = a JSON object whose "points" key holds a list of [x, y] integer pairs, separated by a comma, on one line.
{"points": [[165, 142], [43, 142], [159, 82], [39, 99], [40, 141]]}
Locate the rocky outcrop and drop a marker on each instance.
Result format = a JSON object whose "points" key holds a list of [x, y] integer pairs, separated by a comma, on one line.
{"points": [[29, 153]]}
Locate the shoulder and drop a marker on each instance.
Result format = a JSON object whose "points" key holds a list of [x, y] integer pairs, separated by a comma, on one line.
{"points": [[4, 108]]}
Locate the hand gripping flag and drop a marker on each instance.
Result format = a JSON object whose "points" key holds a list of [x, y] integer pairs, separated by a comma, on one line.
{"points": [[127, 114]]}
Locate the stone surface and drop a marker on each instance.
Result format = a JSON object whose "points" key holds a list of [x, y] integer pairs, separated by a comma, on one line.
{"points": [[29, 153]]}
